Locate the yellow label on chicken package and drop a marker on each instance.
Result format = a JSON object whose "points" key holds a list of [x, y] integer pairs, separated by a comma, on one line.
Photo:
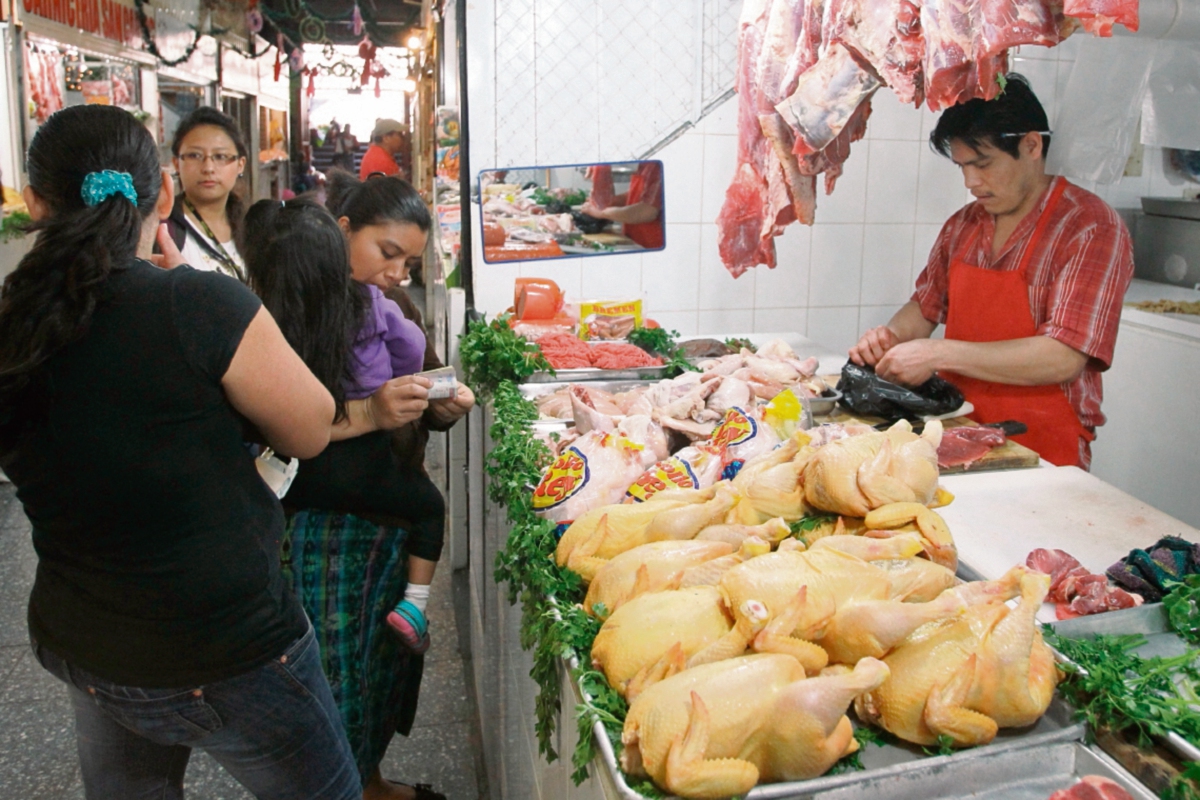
{"points": [[737, 427], [565, 478], [674, 473]]}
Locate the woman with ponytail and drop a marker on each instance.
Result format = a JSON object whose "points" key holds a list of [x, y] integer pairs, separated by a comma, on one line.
{"points": [[124, 389]]}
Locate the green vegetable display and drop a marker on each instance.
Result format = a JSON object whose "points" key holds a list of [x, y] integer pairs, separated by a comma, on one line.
{"points": [[1112, 686], [658, 342], [13, 226], [492, 353], [1183, 608]]}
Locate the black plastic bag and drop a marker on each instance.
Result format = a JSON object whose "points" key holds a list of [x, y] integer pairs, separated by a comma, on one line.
{"points": [[865, 393]]}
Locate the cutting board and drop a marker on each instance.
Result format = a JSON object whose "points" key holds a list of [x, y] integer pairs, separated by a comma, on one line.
{"points": [[1009, 455], [609, 239], [998, 518]]}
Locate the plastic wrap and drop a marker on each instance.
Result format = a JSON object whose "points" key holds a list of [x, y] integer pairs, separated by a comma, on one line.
{"points": [[1171, 110], [864, 392], [1100, 108]]}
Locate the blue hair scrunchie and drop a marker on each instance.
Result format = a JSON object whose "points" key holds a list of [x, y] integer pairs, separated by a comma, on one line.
{"points": [[99, 186]]}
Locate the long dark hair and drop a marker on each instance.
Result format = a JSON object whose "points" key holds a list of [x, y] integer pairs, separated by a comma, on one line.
{"points": [[48, 301], [375, 201], [235, 206], [296, 263]]}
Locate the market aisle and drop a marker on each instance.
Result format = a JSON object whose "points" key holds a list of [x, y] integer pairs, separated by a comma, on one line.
{"points": [[37, 739]]}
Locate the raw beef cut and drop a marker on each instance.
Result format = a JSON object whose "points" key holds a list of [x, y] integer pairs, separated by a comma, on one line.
{"points": [[966, 445], [826, 97], [1004, 24], [1098, 16], [1075, 591], [886, 34], [1093, 787]]}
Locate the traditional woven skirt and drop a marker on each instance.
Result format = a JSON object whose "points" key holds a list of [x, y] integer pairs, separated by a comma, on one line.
{"points": [[348, 574]]}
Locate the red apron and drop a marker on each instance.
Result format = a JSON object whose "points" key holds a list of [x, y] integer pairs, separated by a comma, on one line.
{"points": [[990, 306], [648, 234]]}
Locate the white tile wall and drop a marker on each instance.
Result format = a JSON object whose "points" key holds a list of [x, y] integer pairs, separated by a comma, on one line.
{"points": [[848, 272]]}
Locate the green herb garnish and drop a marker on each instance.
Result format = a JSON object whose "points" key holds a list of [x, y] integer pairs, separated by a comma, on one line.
{"points": [[492, 353], [740, 344], [945, 746], [14, 225], [1183, 608], [809, 523], [1111, 686], [864, 735], [658, 342]]}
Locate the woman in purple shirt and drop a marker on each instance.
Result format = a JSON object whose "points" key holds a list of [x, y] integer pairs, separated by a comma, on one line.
{"points": [[366, 525]]}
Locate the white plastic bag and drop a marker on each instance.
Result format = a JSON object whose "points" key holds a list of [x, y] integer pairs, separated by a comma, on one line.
{"points": [[1171, 110], [1099, 112]]}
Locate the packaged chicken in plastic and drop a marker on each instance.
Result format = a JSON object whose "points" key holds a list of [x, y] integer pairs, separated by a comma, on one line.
{"points": [[741, 436], [695, 467], [593, 471]]}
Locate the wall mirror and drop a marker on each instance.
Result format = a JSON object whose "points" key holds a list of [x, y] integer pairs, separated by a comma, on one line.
{"points": [[571, 210]]}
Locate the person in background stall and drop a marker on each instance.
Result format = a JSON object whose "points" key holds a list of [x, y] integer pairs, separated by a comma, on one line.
{"points": [[366, 522], [125, 389], [639, 210], [1028, 279], [345, 145], [206, 222], [387, 139]]}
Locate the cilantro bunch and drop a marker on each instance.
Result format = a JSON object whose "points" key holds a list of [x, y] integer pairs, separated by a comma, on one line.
{"points": [[492, 353], [658, 342]]}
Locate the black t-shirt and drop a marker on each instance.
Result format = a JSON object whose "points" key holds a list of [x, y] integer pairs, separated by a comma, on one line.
{"points": [[157, 542]]}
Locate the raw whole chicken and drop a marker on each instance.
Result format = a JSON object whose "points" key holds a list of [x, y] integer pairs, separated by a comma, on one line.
{"points": [[769, 485], [854, 475], [965, 678], [652, 636], [718, 730], [593, 471], [592, 550], [801, 592], [646, 568], [773, 531], [584, 413], [626, 520], [640, 429]]}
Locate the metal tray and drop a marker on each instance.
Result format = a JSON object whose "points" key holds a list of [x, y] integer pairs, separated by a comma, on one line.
{"points": [[1012, 773], [534, 390], [594, 374], [1149, 620]]}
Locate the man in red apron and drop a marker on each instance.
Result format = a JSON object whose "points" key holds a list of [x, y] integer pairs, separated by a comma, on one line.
{"points": [[1029, 280], [639, 210]]}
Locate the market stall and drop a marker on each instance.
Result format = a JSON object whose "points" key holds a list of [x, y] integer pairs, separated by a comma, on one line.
{"points": [[545, 688]]}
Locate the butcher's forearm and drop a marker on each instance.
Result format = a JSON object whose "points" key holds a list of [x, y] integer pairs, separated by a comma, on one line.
{"points": [[908, 323], [1035, 361], [633, 215]]}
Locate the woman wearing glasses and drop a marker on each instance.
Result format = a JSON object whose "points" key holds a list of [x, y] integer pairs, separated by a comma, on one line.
{"points": [[206, 222]]}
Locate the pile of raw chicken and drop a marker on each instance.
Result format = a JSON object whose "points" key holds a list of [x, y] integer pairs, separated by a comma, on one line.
{"points": [[741, 645], [620, 434], [807, 70]]}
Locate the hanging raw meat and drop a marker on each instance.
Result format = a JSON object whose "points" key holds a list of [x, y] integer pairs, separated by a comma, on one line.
{"points": [[1098, 16], [807, 70]]}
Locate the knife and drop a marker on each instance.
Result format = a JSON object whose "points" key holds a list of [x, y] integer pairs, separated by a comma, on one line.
{"points": [[1010, 427]]}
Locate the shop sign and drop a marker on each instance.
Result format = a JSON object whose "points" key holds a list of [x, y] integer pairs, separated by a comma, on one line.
{"points": [[106, 18]]}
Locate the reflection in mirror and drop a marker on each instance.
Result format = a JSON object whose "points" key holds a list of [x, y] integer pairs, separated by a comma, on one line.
{"points": [[571, 210]]}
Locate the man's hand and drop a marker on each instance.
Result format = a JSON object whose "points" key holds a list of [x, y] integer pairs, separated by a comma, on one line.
{"points": [[399, 402], [170, 257], [873, 345], [451, 409], [910, 363], [593, 210]]}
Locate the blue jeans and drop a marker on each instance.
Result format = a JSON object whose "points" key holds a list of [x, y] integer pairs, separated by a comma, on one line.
{"points": [[275, 729]]}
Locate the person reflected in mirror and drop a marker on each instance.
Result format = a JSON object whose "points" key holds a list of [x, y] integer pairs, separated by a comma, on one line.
{"points": [[639, 210]]}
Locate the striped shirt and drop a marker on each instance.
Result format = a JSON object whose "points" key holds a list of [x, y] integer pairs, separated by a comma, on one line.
{"points": [[1078, 274]]}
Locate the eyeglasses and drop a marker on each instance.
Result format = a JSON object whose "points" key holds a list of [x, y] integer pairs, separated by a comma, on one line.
{"points": [[1008, 135], [220, 159]]}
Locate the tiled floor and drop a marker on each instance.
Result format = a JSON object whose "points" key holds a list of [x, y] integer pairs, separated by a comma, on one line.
{"points": [[37, 738]]}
